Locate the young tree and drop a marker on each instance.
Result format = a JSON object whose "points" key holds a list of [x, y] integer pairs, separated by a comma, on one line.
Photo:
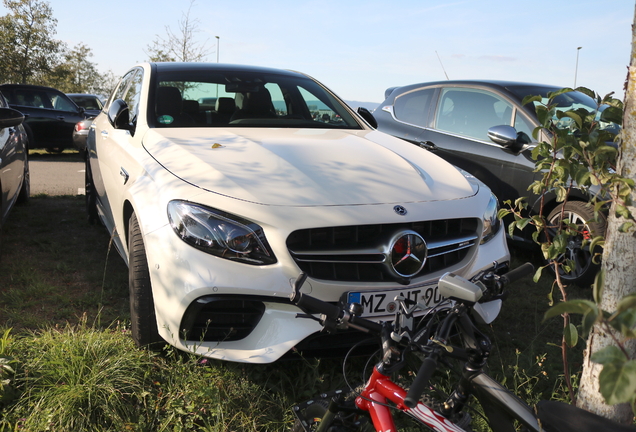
{"points": [[619, 282], [27, 47], [181, 46]]}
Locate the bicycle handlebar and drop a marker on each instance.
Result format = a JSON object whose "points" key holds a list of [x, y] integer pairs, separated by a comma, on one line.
{"points": [[424, 374], [429, 364], [333, 313], [516, 274]]}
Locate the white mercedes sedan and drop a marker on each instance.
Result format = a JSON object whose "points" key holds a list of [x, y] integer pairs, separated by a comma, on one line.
{"points": [[222, 183]]}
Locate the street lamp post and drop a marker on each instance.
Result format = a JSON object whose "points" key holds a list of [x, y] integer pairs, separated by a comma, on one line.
{"points": [[576, 69], [218, 38]]}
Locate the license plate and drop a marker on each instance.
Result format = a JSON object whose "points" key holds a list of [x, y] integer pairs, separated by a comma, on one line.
{"points": [[376, 303]]}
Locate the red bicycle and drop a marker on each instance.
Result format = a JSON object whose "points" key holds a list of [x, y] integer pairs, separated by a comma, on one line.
{"points": [[445, 332]]}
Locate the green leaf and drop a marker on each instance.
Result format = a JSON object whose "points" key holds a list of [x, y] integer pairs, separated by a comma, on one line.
{"points": [[597, 287], [622, 211], [608, 355], [617, 383], [530, 98], [556, 93], [590, 318], [625, 227], [537, 274], [570, 335], [606, 149], [502, 213], [627, 302], [612, 114], [572, 307], [574, 116], [544, 116], [522, 223], [586, 91]]}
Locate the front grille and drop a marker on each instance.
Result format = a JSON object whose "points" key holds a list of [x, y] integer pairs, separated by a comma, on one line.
{"points": [[218, 319], [353, 253]]}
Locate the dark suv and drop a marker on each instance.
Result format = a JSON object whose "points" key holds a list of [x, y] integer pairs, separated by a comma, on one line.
{"points": [[454, 120], [50, 115]]}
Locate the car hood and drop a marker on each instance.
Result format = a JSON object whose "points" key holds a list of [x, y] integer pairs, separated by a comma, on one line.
{"points": [[306, 167]]}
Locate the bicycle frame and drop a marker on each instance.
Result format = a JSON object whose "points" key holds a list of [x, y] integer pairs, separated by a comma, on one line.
{"points": [[374, 397]]}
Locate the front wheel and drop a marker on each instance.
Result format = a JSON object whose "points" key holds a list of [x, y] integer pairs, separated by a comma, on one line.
{"points": [[577, 249], [142, 307]]}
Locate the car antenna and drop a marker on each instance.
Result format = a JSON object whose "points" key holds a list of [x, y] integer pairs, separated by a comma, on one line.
{"points": [[442, 64]]}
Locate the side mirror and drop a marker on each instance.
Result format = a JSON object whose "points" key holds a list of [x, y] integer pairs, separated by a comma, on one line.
{"points": [[10, 117], [506, 136], [368, 117], [119, 114]]}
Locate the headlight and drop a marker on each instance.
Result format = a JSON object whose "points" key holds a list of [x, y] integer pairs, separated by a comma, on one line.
{"points": [[491, 222], [219, 233]]}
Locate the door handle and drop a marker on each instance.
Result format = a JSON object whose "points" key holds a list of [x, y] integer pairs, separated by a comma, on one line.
{"points": [[124, 174], [60, 118]]}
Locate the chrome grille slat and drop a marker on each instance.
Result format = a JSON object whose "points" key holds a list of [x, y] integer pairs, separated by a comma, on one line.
{"points": [[355, 253]]}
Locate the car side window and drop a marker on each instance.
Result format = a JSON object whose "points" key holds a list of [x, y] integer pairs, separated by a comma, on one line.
{"points": [[60, 103], [412, 107], [30, 98], [133, 94], [471, 112], [523, 125]]}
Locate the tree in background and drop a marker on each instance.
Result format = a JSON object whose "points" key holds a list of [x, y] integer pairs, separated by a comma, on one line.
{"points": [[27, 47], [179, 47], [76, 74]]}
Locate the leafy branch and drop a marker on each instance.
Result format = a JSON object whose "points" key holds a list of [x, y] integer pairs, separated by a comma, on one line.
{"points": [[579, 154]]}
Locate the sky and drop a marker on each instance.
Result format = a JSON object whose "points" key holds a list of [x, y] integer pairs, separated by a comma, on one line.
{"points": [[360, 48]]}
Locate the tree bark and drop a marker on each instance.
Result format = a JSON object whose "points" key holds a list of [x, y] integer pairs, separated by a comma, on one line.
{"points": [[619, 258]]}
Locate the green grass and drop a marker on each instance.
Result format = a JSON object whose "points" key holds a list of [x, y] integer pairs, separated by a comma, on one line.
{"points": [[69, 364]]}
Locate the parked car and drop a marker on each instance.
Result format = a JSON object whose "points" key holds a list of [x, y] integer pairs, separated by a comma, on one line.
{"points": [[14, 160], [455, 120], [91, 103], [50, 115], [80, 133], [218, 212]]}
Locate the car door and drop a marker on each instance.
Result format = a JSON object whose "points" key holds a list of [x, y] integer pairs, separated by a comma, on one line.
{"points": [[65, 116], [459, 134], [11, 160], [110, 161]]}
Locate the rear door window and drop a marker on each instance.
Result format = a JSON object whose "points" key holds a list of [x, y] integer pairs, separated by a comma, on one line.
{"points": [[471, 112], [413, 107]]}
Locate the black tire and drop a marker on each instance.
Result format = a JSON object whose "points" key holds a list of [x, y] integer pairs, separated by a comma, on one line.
{"points": [[142, 308], [582, 214], [90, 194], [25, 189]]}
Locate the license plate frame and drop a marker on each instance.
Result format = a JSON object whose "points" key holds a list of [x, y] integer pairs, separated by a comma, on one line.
{"points": [[381, 302]]}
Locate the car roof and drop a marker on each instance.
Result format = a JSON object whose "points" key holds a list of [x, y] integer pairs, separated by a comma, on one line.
{"points": [[29, 86], [82, 94], [498, 84], [176, 66]]}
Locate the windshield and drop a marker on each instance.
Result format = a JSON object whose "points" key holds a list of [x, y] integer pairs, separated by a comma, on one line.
{"points": [[565, 102], [245, 99]]}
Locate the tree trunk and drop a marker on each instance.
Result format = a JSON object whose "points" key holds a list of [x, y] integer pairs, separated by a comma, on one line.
{"points": [[619, 257]]}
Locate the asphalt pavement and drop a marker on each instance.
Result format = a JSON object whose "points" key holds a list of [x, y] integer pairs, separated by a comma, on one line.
{"points": [[56, 174]]}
